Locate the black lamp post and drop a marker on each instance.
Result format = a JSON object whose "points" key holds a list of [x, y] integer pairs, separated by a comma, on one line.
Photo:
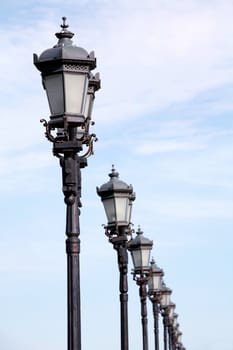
{"points": [[171, 309], [154, 291], [164, 304], [65, 71], [140, 248], [117, 198], [174, 327]]}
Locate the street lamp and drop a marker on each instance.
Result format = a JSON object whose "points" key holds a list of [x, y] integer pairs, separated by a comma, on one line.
{"points": [[66, 71], [154, 291], [117, 198], [140, 248], [164, 304], [171, 310]]}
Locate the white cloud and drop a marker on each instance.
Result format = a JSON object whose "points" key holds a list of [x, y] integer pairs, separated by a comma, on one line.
{"points": [[190, 207], [152, 147], [149, 55]]}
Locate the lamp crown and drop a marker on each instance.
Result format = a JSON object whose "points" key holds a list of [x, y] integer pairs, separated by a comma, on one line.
{"points": [[64, 34], [64, 25], [155, 268], [113, 173], [139, 231]]}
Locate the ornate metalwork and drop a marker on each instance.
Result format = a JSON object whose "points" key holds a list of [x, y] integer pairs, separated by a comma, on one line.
{"points": [[48, 129], [86, 138]]}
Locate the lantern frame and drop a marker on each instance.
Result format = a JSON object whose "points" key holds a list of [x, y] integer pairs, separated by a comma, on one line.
{"points": [[62, 68], [117, 198], [140, 248]]}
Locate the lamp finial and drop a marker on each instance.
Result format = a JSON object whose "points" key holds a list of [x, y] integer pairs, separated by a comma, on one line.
{"points": [[114, 173]]}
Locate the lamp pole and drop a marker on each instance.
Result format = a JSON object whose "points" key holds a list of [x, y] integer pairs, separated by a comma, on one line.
{"points": [[171, 309], [70, 87], [140, 248], [154, 291], [117, 198], [164, 305]]}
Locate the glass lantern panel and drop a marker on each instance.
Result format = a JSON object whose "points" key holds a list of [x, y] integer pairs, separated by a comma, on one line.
{"points": [[155, 281], [88, 105], [75, 92], [137, 258], [122, 208], [171, 312], [130, 204], [165, 299], [55, 93], [110, 210], [145, 256]]}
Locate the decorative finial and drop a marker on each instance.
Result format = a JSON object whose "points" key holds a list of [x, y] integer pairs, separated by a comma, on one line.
{"points": [[64, 34], [114, 173], [139, 231], [152, 261], [64, 25]]}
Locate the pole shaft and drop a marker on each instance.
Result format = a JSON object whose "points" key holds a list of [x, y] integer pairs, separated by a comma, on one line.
{"points": [[124, 309], [156, 323], [143, 295], [165, 332], [71, 185], [122, 254]]}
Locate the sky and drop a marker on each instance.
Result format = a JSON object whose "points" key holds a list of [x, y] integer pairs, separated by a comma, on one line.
{"points": [[164, 118]]}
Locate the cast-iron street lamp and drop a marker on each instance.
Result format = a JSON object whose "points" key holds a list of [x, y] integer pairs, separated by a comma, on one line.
{"points": [[66, 72], [140, 248], [117, 198], [164, 304], [154, 291], [171, 309]]}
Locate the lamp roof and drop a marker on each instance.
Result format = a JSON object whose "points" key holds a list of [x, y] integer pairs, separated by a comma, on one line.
{"points": [[64, 51], [155, 269], [115, 185], [139, 241]]}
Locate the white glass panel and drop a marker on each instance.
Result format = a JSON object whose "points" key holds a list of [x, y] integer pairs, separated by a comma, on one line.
{"points": [[54, 89], [109, 206], [156, 281], [145, 257], [130, 205], [165, 299], [122, 209], [88, 105], [75, 92], [137, 258], [150, 284], [171, 312]]}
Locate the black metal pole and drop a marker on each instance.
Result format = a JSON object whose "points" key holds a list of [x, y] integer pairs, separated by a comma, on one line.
{"points": [[143, 297], [71, 176], [120, 244], [165, 331], [170, 337], [156, 321]]}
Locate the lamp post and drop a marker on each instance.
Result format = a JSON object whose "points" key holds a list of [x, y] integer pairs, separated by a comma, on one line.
{"points": [[66, 71], [117, 198], [175, 327], [164, 304], [179, 345], [154, 291], [140, 248], [171, 309]]}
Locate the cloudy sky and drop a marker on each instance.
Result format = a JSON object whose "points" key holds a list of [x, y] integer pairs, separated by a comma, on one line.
{"points": [[164, 118]]}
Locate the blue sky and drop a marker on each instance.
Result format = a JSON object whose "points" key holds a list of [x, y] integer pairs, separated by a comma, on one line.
{"points": [[164, 118]]}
